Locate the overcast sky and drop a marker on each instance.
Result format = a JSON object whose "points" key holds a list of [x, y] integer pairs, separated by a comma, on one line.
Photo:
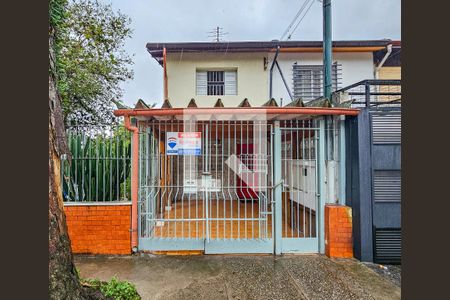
{"points": [[183, 21]]}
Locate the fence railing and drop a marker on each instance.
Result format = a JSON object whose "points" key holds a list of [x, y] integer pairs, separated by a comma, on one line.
{"points": [[372, 93], [100, 168]]}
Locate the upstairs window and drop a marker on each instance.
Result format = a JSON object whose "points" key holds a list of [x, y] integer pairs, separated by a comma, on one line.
{"points": [[216, 83], [308, 80]]}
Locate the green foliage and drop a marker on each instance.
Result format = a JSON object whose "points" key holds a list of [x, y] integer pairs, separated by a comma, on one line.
{"points": [[116, 289], [56, 12], [91, 62], [101, 166], [120, 290]]}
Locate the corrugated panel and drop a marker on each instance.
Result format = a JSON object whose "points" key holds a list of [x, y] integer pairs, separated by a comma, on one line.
{"points": [[388, 246], [230, 83], [201, 83], [387, 186], [387, 128]]}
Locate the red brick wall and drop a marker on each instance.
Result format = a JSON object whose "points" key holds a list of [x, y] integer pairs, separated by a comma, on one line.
{"points": [[99, 229], [338, 231]]}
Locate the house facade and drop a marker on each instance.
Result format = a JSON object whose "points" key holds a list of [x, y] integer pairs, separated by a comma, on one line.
{"points": [[233, 71], [248, 175]]}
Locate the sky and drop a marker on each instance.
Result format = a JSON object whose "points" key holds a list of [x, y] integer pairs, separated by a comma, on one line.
{"points": [[244, 20]]}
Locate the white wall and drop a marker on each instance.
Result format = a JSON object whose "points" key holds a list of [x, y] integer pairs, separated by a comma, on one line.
{"points": [[252, 79], [356, 66]]}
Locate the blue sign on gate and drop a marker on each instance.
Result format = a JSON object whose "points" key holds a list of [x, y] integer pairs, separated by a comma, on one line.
{"points": [[184, 143]]}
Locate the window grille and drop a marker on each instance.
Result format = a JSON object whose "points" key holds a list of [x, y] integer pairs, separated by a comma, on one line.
{"points": [[308, 80], [216, 83]]}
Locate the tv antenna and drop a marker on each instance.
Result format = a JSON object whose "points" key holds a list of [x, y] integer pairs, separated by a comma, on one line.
{"points": [[217, 33]]}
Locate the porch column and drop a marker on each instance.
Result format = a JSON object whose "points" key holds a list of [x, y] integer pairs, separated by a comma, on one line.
{"points": [[277, 187], [321, 184], [342, 162]]}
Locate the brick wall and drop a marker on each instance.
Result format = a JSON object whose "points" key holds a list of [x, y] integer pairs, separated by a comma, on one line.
{"points": [[99, 229], [338, 231]]}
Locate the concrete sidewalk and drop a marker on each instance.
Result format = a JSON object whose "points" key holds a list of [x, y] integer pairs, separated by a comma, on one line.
{"points": [[241, 277]]}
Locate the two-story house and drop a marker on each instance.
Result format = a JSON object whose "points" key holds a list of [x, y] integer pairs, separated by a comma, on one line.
{"points": [[233, 71]]}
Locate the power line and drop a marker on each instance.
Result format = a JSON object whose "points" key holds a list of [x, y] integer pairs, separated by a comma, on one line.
{"points": [[295, 28], [293, 20]]}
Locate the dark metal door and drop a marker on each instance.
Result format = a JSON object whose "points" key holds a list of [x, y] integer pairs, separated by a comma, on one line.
{"points": [[386, 184]]}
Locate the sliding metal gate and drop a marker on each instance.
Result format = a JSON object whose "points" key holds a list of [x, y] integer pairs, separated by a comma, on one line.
{"points": [[217, 198], [212, 186]]}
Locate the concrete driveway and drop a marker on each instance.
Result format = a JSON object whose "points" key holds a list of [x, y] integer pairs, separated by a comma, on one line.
{"points": [[241, 277]]}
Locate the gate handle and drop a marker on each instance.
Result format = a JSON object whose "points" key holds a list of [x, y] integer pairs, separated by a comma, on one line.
{"points": [[279, 183]]}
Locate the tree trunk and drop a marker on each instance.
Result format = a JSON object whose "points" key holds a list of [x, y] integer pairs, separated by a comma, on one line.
{"points": [[63, 278], [64, 282]]}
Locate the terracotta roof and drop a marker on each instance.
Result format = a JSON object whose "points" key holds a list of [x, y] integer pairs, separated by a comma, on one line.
{"points": [[166, 104], [272, 103], [219, 103], [244, 103], [192, 103]]}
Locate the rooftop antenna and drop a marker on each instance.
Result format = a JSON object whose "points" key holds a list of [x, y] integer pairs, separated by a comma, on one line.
{"points": [[217, 33]]}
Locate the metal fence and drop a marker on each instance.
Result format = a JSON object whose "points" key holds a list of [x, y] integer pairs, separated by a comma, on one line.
{"points": [[100, 168], [223, 193], [372, 93]]}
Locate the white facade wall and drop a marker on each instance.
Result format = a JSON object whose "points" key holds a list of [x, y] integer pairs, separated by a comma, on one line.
{"points": [[356, 66], [252, 79]]}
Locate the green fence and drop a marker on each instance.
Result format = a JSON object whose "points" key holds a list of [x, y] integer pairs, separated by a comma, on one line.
{"points": [[100, 169]]}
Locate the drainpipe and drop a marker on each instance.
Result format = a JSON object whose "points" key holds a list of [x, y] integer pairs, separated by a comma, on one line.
{"points": [[166, 89], [389, 51], [271, 71], [284, 81], [134, 181]]}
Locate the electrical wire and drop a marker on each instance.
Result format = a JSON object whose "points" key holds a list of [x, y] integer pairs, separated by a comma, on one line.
{"points": [[295, 28], [295, 19]]}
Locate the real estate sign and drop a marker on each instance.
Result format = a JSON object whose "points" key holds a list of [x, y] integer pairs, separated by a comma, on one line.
{"points": [[184, 143]]}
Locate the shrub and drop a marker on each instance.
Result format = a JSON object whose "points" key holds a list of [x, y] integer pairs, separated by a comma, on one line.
{"points": [[116, 289]]}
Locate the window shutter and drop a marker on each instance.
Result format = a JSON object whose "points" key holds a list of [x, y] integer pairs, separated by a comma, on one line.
{"points": [[201, 83], [308, 80], [230, 83]]}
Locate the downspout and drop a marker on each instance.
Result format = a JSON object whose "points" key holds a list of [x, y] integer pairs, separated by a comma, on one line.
{"points": [[389, 51], [166, 89], [285, 83], [271, 71], [134, 181]]}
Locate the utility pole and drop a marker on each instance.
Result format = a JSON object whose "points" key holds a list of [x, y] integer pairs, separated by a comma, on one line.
{"points": [[327, 49]]}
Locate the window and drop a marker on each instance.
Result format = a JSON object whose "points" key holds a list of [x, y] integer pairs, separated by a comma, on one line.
{"points": [[308, 80], [216, 83]]}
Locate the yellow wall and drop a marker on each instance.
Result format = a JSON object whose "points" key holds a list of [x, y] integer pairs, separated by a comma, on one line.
{"points": [[252, 79], [390, 73]]}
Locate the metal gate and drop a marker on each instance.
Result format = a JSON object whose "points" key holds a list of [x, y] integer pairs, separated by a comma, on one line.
{"points": [[216, 197], [386, 183], [228, 186], [300, 198]]}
